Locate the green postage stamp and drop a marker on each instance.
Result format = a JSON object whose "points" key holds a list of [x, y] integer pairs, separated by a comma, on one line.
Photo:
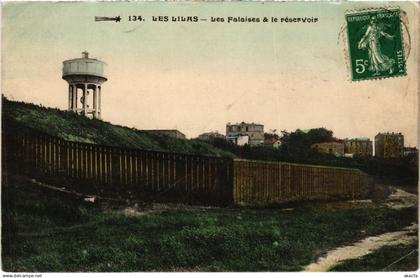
{"points": [[375, 42]]}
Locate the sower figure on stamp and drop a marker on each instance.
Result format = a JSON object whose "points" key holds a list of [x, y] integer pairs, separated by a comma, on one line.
{"points": [[370, 40]]}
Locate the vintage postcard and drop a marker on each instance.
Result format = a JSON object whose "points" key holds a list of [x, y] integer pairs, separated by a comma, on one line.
{"points": [[209, 137]]}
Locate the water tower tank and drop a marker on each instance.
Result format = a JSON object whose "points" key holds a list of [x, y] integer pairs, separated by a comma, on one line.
{"points": [[85, 77]]}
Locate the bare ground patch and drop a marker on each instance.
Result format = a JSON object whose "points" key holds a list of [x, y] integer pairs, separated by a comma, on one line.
{"points": [[398, 199], [361, 248]]}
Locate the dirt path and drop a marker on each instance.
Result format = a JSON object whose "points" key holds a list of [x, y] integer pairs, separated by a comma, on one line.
{"points": [[136, 210], [401, 199], [363, 247], [397, 200]]}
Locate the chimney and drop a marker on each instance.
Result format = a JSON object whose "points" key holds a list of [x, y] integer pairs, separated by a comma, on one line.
{"points": [[85, 54]]}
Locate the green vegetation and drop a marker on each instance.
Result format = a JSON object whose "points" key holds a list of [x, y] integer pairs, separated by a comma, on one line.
{"points": [[295, 145], [72, 127], [389, 258], [296, 148], [44, 232], [300, 142]]}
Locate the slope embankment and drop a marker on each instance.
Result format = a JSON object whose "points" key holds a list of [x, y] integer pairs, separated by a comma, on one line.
{"points": [[76, 128]]}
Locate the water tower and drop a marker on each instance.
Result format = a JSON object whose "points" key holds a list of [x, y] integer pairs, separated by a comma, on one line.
{"points": [[85, 77]]}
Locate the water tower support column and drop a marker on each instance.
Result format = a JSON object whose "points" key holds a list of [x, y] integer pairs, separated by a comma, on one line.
{"points": [[74, 107], [95, 102], [70, 98], [85, 99], [99, 103]]}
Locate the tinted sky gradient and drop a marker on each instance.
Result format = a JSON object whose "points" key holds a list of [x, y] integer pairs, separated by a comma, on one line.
{"points": [[196, 77]]}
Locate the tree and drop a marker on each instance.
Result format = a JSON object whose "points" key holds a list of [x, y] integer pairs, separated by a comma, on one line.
{"points": [[299, 142]]}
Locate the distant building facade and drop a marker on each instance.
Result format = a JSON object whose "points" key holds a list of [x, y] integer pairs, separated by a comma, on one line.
{"points": [[174, 133], [271, 139], [411, 151], [255, 132], [240, 140], [361, 147], [334, 148], [389, 145], [210, 136]]}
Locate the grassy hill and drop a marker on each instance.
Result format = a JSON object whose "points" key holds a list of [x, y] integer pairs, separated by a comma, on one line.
{"points": [[73, 127]]}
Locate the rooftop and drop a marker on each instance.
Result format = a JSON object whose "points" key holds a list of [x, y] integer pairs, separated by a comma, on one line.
{"points": [[85, 56], [243, 123], [358, 139], [388, 133]]}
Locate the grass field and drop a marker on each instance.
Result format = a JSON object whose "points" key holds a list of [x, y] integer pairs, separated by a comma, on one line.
{"points": [[46, 232], [389, 258]]}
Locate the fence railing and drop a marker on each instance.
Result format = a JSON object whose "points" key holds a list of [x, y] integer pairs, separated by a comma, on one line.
{"points": [[179, 177], [169, 174], [263, 183]]}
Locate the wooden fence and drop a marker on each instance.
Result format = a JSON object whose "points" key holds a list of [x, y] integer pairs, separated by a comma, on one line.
{"points": [[168, 175], [177, 177], [262, 183]]}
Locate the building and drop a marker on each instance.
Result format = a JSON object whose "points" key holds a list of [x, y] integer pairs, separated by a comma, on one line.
{"points": [[389, 145], [240, 140], [272, 139], [210, 136], [335, 148], [255, 132], [359, 147], [174, 133], [411, 151], [85, 77], [273, 143]]}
